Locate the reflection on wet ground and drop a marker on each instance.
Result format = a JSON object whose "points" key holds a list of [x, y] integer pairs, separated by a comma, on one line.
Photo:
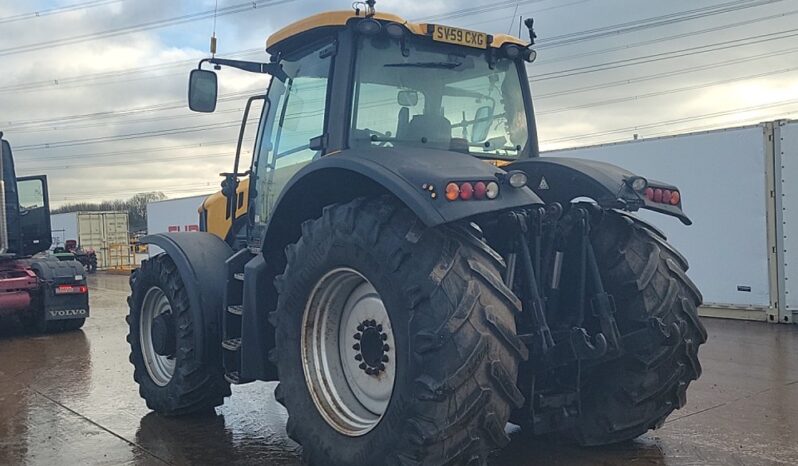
{"points": [[70, 399]]}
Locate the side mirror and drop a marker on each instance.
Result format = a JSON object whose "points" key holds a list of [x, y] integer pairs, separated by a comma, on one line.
{"points": [[482, 122], [407, 98], [202, 90]]}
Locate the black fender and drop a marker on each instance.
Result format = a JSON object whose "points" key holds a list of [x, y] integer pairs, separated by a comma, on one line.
{"points": [[417, 177], [199, 258], [560, 179]]}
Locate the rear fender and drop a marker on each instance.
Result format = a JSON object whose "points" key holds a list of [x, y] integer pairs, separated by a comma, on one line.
{"points": [[199, 258], [559, 179], [416, 177]]}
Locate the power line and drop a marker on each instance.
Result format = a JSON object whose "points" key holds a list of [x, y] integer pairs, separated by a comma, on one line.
{"points": [[172, 105], [666, 74], [674, 121], [658, 21], [138, 151], [446, 15], [147, 26], [65, 82], [690, 51], [56, 10], [626, 47], [126, 136], [665, 92], [38, 128]]}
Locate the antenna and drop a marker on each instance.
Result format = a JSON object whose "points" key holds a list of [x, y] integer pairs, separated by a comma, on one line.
{"points": [[213, 36], [370, 10]]}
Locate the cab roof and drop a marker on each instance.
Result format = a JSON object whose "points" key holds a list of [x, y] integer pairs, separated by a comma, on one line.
{"points": [[332, 19]]}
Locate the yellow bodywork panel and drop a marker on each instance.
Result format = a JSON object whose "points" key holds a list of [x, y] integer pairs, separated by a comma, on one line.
{"points": [[339, 19], [214, 210]]}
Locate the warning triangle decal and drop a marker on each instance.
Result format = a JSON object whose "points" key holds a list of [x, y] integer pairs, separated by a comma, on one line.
{"points": [[543, 184]]}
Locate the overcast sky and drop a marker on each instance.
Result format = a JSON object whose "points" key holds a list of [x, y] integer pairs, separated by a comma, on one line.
{"points": [[94, 95]]}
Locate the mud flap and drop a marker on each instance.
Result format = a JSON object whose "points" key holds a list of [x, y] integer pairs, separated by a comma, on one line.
{"points": [[64, 292]]}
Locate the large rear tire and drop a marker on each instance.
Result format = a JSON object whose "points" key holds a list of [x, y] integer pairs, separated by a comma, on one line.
{"points": [[441, 389], [625, 397], [172, 380]]}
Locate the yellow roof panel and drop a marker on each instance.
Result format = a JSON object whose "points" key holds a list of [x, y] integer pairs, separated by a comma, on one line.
{"points": [[339, 18]]}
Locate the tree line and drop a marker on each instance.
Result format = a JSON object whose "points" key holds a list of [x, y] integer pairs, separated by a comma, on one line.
{"points": [[136, 208]]}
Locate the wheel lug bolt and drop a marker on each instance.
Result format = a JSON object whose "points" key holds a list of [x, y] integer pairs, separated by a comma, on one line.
{"points": [[358, 357], [373, 323], [379, 328], [386, 348], [360, 328], [369, 371], [356, 347], [382, 367], [384, 337], [362, 365], [357, 336], [384, 358]]}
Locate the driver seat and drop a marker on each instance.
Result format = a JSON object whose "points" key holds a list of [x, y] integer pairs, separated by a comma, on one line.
{"points": [[430, 130]]}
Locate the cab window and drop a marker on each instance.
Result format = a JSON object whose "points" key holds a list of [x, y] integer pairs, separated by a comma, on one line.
{"points": [[295, 115]]}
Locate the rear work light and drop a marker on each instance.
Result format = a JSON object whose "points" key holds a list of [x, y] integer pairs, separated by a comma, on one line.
{"points": [[71, 289], [469, 190], [663, 196]]}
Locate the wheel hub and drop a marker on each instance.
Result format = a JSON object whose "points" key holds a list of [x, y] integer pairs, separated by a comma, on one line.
{"points": [[346, 340], [157, 336], [163, 335], [371, 347]]}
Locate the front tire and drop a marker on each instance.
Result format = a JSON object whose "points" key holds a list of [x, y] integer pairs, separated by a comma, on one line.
{"points": [[435, 299], [171, 379]]}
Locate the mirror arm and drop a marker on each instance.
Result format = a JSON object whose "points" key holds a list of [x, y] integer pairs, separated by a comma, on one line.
{"points": [[274, 69]]}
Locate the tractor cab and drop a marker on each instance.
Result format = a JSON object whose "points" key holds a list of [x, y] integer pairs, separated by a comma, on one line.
{"points": [[376, 84]]}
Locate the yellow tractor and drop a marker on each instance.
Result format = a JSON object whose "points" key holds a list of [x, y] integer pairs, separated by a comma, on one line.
{"points": [[400, 258]]}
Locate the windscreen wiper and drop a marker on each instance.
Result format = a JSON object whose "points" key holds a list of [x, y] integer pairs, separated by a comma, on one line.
{"points": [[429, 64]]}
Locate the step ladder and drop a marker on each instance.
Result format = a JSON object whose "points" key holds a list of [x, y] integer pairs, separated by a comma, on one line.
{"points": [[233, 315]]}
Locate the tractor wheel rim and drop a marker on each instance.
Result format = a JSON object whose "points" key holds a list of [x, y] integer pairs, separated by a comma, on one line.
{"points": [[347, 352], [160, 368]]}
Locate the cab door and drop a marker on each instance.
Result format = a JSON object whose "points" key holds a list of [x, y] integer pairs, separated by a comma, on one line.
{"points": [[34, 214]]}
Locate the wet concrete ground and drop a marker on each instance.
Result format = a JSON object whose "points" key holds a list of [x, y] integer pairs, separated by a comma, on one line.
{"points": [[70, 399]]}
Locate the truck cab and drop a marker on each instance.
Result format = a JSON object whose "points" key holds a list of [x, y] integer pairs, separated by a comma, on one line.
{"points": [[49, 294]]}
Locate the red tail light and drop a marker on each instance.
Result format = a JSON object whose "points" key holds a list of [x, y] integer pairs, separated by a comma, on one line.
{"points": [[662, 196], [71, 289], [479, 190], [466, 191]]}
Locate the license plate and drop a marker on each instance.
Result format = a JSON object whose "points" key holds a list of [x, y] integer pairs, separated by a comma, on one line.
{"points": [[459, 36]]}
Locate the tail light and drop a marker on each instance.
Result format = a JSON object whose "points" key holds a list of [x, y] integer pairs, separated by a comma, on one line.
{"points": [[466, 191], [71, 289], [469, 190], [663, 196]]}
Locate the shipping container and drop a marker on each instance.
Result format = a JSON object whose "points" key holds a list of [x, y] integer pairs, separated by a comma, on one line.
{"points": [[173, 216], [104, 232], [735, 186]]}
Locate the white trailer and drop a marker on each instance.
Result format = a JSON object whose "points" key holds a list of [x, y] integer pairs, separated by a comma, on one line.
{"points": [[104, 232], [173, 216], [740, 188]]}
